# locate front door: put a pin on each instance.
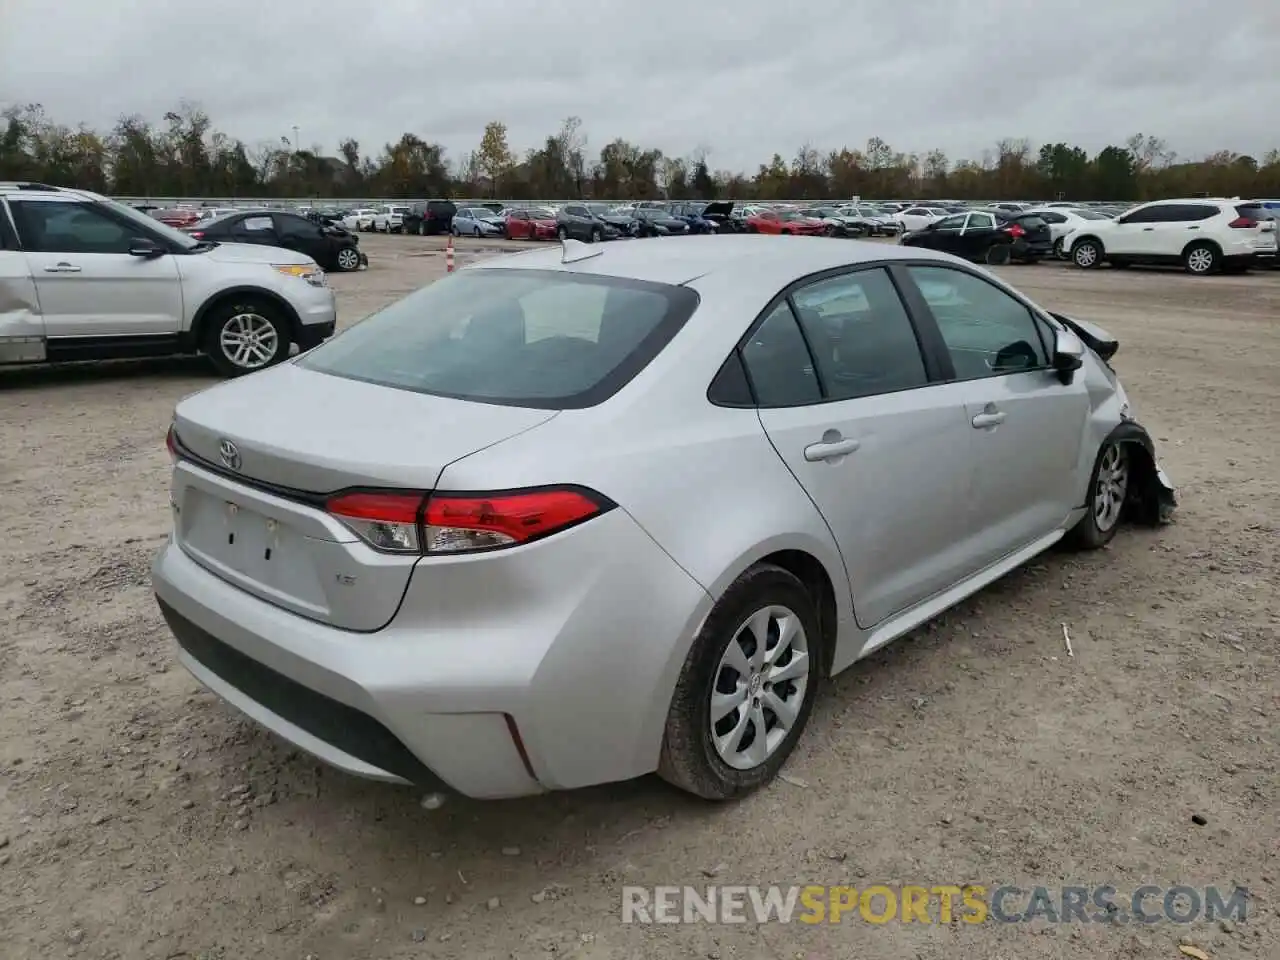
(304, 237)
(88, 283)
(946, 234)
(1027, 426)
(882, 450)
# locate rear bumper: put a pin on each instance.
(574, 642)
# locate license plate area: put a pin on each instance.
(246, 546)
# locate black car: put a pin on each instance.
(690, 211)
(427, 218)
(655, 222)
(719, 212)
(577, 221)
(622, 221)
(331, 246)
(987, 235)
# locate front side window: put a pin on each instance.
(987, 331)
(860, 335)
(981, 221)
(254, 226)
(951, 223)
(544, 339)
(59, 227)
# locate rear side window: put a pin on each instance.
(779, 364)
(550, 340)
(1250, 211)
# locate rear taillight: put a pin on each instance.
(1014, 230)
(459, 523)
(197, 234)
(171, 443)
(1242, 223)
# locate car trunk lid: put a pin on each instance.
(257, 463)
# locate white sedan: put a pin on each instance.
(359, 219)
(917, 218)
(600, 510)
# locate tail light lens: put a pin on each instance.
(385, 521)
(1242, 223)
(197, 234)
(462, 523)
(171, 443)
(1015, 230)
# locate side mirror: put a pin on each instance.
(1068, 355)
(144, 247)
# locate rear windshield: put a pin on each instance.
(1030, 221)
(1255, 212)
(551, 340)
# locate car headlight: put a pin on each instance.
(309, 272)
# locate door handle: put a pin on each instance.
(830, 449)
(1147, 229)
(992, 418)
(62, 268)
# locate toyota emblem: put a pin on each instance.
(229, 454)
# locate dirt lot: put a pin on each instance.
(142, 818)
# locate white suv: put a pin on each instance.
(83, 277)
(1202, 234)
(389, 219)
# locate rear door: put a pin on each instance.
(256, 228)
(1027, 426)
(852, 406)
(88, 283)
(21, 325)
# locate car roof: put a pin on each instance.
(678, 260)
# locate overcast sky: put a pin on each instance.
(741, 78)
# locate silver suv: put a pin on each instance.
(83, 277)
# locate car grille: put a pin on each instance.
(349, 730)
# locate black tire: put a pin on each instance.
(1087, 254)
(1087, 534)
(1202, 258)
(1057, 249)
(689, 759)
(347, 259)
(998, 254)
(222, 315)
(596, 235)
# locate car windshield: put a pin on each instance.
(542, 213)
(599, 209)
(184, 240)
(543, 339)
(1089, 215)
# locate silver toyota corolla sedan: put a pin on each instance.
(591, 512)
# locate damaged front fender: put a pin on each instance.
(1151, 499)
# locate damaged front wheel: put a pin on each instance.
(1108, 491)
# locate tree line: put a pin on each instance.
(186, 156)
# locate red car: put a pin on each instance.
(531, 225)
(786, 222)
(180, 218)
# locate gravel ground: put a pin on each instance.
(142, 818)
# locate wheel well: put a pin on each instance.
(1203, 242)
(1088, 236)
(809, 570)
(240, 293)
(1142, 503)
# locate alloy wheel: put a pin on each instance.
(1200, 260)
(249, 340)
(758, 687)
(348, 259)
(1111, 488)
(1086, 255)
